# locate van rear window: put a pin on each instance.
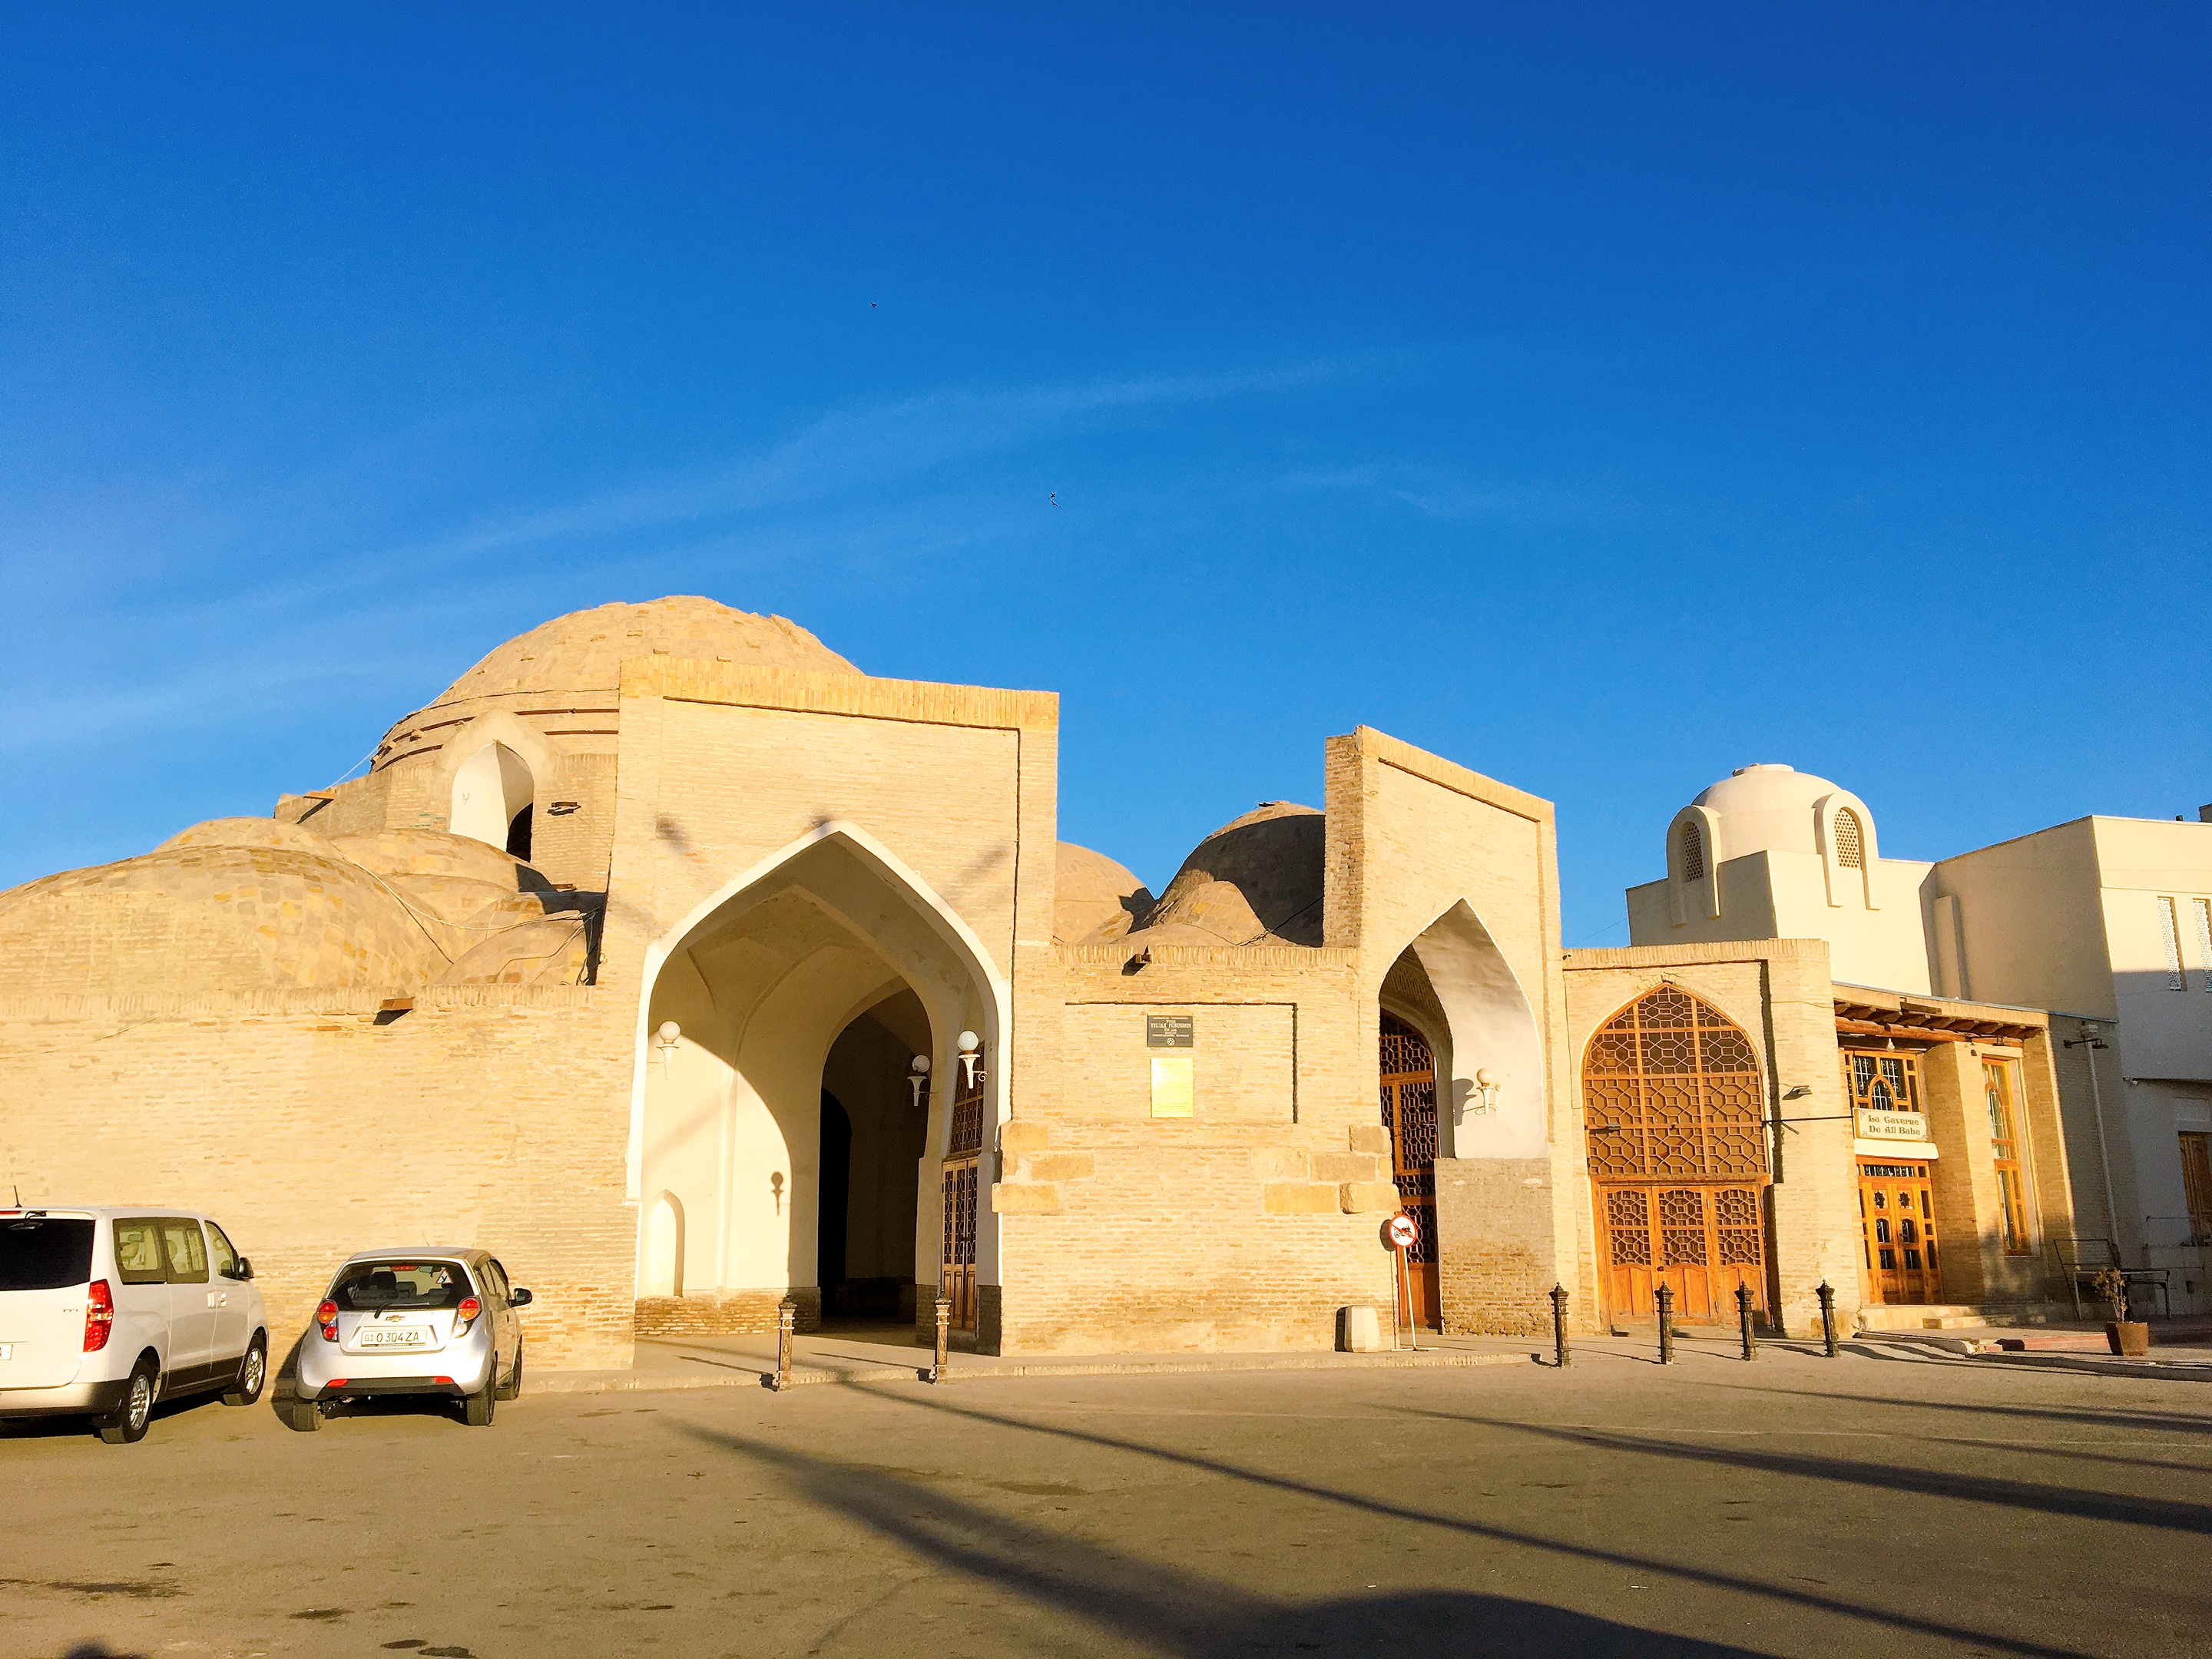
(45, 1253)
(368, 1286)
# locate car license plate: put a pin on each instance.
(391, 1336)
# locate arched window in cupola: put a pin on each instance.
(1693, 852)
(1850, 841)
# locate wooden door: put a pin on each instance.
(1409, 1112)
(962, 1160)
(1704, 1241)
(1897, 1233)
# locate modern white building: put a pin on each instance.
(2106, 922)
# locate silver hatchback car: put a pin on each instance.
(430, 1320)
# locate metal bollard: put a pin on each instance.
(1560, 1354)
(1666, 1324)
(1827, 1295)
(1743, 1319)
(944, 1338)
(784, 1317)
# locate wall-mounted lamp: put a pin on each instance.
(1139, 963)
(775, 1186)
(1487, 1085)
(918, 1078)
(970, 1042)
(668, 1036)
(1797, 1092)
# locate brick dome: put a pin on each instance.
(584, 650)
(1256, 880)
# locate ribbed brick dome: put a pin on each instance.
(584, 650)
(1256, 880)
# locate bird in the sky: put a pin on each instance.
(1054, 498)
(873, 305)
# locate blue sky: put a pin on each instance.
(1603, 398)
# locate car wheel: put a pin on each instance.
(476, 1408)
(300, 1416)
(512, 1388)
(126, 1425)
(252, 1373)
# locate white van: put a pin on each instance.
(104, 1309)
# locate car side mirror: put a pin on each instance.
(517, 1297)
(242, 1270)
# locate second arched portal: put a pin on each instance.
(780, 1108)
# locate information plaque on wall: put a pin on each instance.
(1168, 1030)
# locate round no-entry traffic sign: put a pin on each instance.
(1404, 1232)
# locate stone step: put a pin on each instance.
(1946, 1316)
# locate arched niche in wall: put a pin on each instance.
(1843, 829)
(661, 1272)
(1477, 1020)
(1694, 858)
(493, 797)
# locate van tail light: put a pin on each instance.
(99, 1315)
(327, 1317)
(466, 1314)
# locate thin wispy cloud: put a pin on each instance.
(1442, 493)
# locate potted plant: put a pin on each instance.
(2129, 1338)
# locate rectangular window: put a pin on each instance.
(139, 1252)
(1883, 1082)
(186, 1250)
(2170, 928)
(2203, 909)
(2197, 1182)
(1997, 1090)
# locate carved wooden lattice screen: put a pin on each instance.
(1674, 1108)
(962, 1159)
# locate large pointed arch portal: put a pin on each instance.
(777, 1036)
(1476, 1177)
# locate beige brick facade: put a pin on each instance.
(757, 920)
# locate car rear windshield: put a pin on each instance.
(45, 1253)
(373, 1286)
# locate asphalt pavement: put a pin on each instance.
(1884, 1502)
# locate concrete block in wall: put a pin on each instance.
(1024, 1198)
(1368, 1197)
(1024, 1136)
(1343, 1166)
(1300, 1197)
(1371, 1138)
(1058, 1166)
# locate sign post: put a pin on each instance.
(1402, 1231)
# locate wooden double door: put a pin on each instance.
(1703, 1240)
(961, 1187)
(1409, 1112)
(1897, 1233)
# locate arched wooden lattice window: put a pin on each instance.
(1851, 843)
(1693, 852)
(1671, 1089)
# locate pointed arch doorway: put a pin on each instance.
(777, 1041)
(1673, 1112)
